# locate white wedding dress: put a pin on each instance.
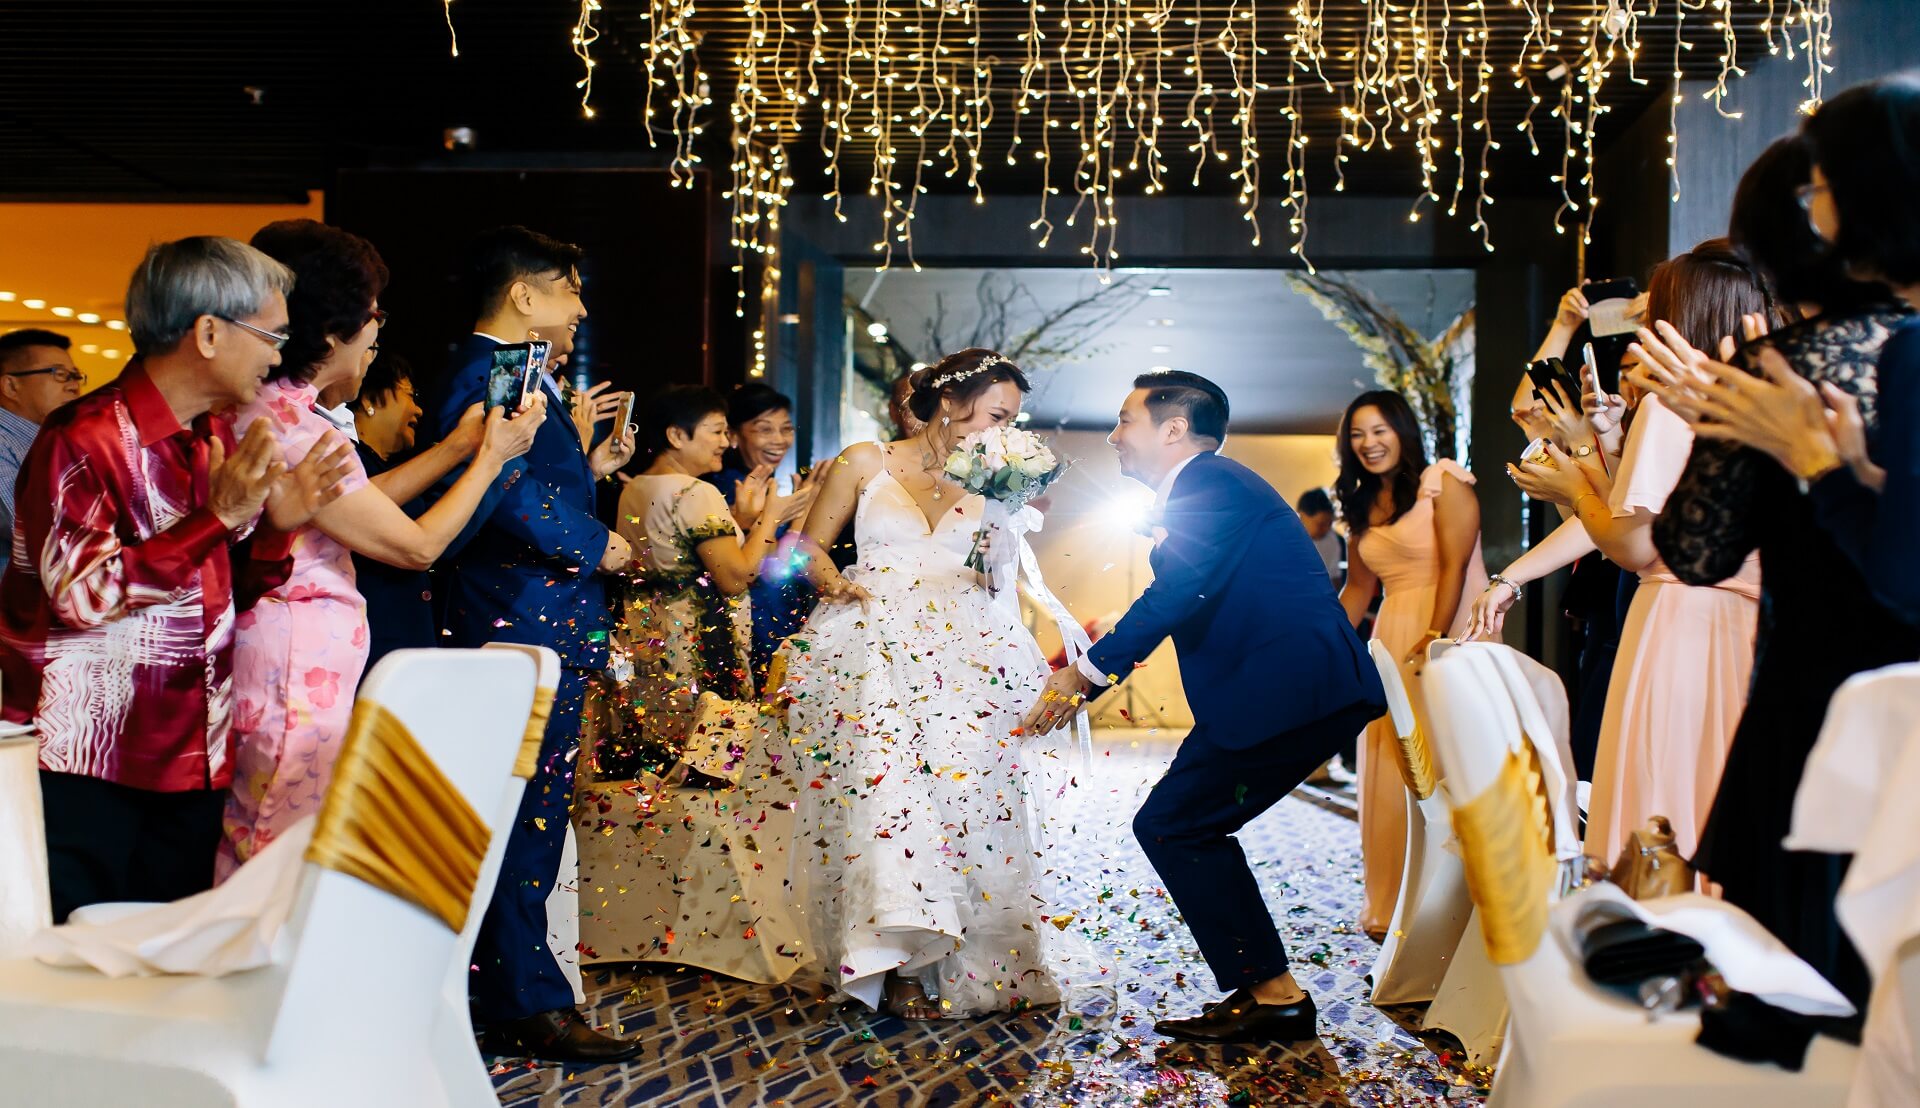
(920, 831)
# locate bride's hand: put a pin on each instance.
(838, 590)
(1059, 702)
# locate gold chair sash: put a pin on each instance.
(1416, 762)
(528, 759)
(394, 821)
(1509, 866)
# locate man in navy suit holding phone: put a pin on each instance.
(534, 573)
(1275, 675)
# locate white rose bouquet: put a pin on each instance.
(1004, 464)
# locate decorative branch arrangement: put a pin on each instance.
(1035, 336)
(1429, 373)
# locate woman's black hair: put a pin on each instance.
(337, 275)
(683, 407)
(1866, 142)
(957, 377)
(384, 377)
(750, 401)
(1770, 230)
(1356, 488)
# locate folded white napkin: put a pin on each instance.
(1745, 953)
(226, 929)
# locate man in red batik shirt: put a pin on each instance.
(134, 545)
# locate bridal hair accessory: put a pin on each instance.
(985, 364)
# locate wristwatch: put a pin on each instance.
(1584, 450)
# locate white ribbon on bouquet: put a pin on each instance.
(1009, 556)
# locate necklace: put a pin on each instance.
(929, 463)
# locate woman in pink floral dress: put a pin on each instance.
(299, 652)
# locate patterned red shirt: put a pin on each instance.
(117, 604)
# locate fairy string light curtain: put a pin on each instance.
(1101, 97)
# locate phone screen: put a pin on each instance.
(626, 417)
(1544, 373)
(507, 380)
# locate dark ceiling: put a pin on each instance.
(267, 98)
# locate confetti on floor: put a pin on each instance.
(712, 1042)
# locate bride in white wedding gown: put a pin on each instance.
(919, 836)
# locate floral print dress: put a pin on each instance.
(297, 659)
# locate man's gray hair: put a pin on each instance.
(178, 282)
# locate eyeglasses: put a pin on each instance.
(59, 373)
(272, 338)
(1805, 194)
(377, 316)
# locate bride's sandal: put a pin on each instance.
(909, 1000)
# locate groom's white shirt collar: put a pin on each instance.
(1165, 489)
(1160, 494)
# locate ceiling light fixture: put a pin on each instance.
(36, 304)
(1159, 290)
(63, 313)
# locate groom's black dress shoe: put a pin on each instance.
(1242, 1019)
(561, 1035)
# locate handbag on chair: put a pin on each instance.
(1650, 865)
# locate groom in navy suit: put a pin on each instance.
(533, 573)
(1274, 673)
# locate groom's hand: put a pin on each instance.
(1059, 702)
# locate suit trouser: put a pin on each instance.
(108, 842)
(514, 972)
(1187, 826)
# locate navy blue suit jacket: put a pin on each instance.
(530, 572)
(1264, 645)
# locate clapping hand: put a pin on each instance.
(298, 493)
(750, 495)
(238, 484)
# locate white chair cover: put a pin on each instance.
(1431, 912)
(24, 904)
(1571, 1043)
(296, 1032)
(1856, 797)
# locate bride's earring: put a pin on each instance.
(944, 420)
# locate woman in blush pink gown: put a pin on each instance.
(1416, 536)
(1680, 678)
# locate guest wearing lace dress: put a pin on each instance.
(1416, 538)
(1686, 652)
(1735, 497)
(687, 618)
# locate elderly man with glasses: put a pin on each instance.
(37, 375)
(143, 528)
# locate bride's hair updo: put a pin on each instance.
(961, 377)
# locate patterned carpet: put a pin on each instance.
(717, 1043)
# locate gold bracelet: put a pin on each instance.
(1583, 496)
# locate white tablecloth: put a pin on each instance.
(24, 908)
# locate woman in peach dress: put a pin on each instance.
(1415, 535)
(1680, 677)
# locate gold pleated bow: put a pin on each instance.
(394, 821)
(1506, 849)
(1416, 763)
(528, 760)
